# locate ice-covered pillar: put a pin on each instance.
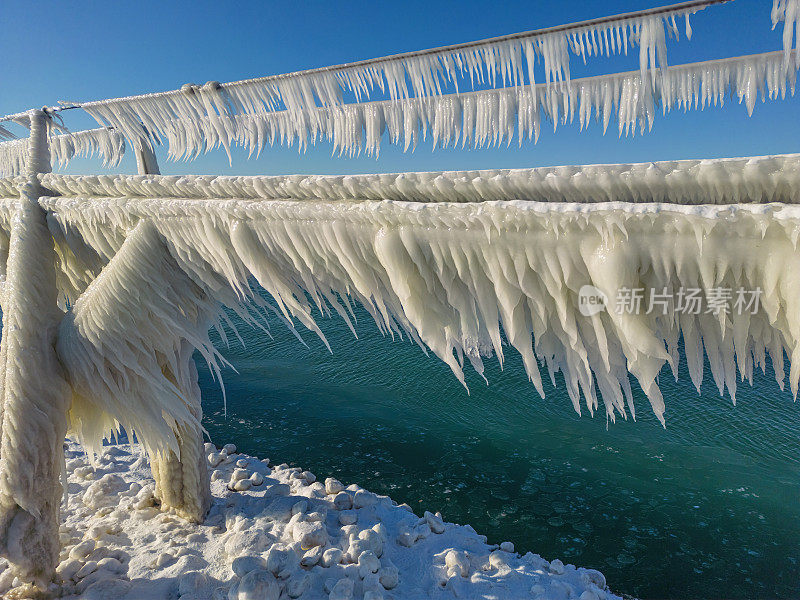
(182, 482)
(146, 163)
(34, 397)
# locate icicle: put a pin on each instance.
(63, 148)
(194, 118)
(788, 11)
(486, 118)
(401, 261)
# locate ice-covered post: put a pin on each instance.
(146, 163)
(34, 397)
(182, 482)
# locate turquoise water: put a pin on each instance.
(706, 508)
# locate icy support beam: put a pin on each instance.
(182, 482)
(34, 398)
(146, 163)
(38, 147)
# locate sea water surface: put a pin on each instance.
(706, 508)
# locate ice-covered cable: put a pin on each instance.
(5, 134)
(510, 60)
(493, 117)
(102, 142)
(458, 277)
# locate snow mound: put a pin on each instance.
(276, 532)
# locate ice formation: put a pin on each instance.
(445, 258)
(510, 60)
(787, 11)
(452, 276)
(5, 134)
(758, 179)
(34, 397)
(465, 264)
(93, 142)
(490, 117)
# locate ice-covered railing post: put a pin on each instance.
(182, 480)
(34, 398)
(146, 163)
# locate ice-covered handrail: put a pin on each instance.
(106, 143)
(452, 276)
(508, 59)
(758, 179)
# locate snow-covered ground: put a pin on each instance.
(276, 532)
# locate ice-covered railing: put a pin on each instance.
(758, 179)
(522, 261)
(193, 120)
(497, 61)
(107, 144)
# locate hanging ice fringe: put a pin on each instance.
(787, 11)
(12, 157)
(509, 60)
(103, 142)
(493, 117)
(451, 276)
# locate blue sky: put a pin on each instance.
(91, 50)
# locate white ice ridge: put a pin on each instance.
(757, 179)
(510, 60)
(460, 279)
(103, 142)
(491, 117)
